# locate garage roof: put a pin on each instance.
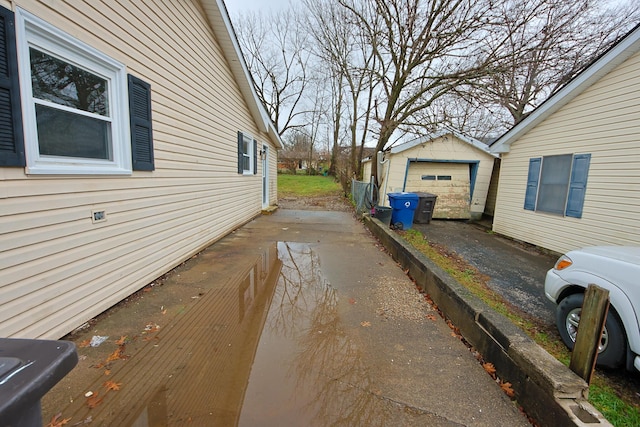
(471, 141)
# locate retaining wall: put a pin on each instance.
(548, 391)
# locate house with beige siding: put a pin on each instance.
(448, 164)
(130, 139)
(570, 172)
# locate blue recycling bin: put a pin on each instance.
(403, 206)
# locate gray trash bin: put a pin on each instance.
(383, 213)
(28, 370)
(424, 211)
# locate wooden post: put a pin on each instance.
(592, 318)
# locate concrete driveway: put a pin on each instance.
(517, 272)
(296, 318)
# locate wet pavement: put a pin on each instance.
(297, 318)
(516, 271)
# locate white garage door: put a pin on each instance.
(449, 181)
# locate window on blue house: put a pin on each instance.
(557, 184)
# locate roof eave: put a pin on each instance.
(471, 141)
(222, 27)
(619, 53)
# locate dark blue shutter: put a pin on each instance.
(532, 183)
(141, 124)
(240, 153)
(255, 157)
(578, 185)
(11, 135)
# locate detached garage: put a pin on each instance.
(454, 167)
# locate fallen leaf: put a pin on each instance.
(122, 341)
(111, 385)
(491, 370)
(57, 422)
(365, 324)
(84, 343)
(352, 301)
(107, 372)
(94, 400)
(506, 387)
(164, 311)
(431, 317)
(117, 354)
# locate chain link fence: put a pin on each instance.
(363, 196)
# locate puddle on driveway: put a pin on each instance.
(306, 370)
(267, 348)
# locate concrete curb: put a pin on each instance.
(547, 390)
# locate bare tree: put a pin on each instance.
(350, 57)
(276, 49)
(544, 44)
(409, 66)
(423, 49)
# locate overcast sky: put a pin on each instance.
(236, 6)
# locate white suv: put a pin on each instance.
(616, 268)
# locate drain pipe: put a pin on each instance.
(386, 178)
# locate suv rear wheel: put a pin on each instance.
(611, 351)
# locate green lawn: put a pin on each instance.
(307, 186)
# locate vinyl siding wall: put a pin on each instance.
(444, 148)
(58, 269)
(604, 121)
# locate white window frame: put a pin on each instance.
(34, 32)
(249, 154)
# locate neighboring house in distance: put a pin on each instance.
(570, 172)
(454, 167)
(130, 139)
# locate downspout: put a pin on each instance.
(386, 178)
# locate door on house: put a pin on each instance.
(264, 155)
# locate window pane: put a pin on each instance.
(57, 81)
(70, 135)
(554, 183)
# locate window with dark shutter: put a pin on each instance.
(75, 103)
(141, 124)
(557, 184)
(11, 135)
(247, 147)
